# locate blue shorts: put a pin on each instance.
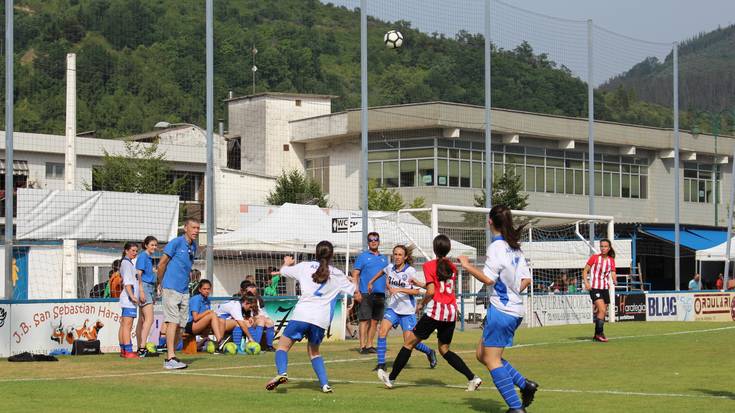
(406, 321)
(129, 312)
(297, 330)
(499, 328)
(150, 293)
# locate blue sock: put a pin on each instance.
(517, 377)
(281, 361)
(161, 341)
(258, 334)
(321, 372)
(237, 335)
(122, 347)
(270, 333)
(423, 348)
(504, 384)
(128, 348)
(382, 348)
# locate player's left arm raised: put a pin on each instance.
(474, 271)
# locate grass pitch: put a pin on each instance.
(646, 367)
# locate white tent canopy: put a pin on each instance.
(89, 215)
(717, 253)
(571, 253)
(298, 228)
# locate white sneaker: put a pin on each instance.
(385, 378)
(327, 389)
(474, 384)
(174, 364)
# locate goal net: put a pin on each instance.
(556, 246)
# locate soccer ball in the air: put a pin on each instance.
(393, 39)
(252, 348)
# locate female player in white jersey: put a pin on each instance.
(601, 268)
(506, 274)
(401, 305)
(320, 284)
(441, 315)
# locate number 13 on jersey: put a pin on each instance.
(446, 287)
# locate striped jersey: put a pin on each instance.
(600, 270)
(443, 305)
(401, 303)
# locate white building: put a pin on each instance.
(434, 150)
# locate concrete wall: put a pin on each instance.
(235, 188)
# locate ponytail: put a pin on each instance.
(324, 252)
(442, 246)
(502, 221)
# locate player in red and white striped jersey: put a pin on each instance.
(441, 315)
(601, 270)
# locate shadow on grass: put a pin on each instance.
(718, 393)
(430, 382)
(584, 338)
(484, 404)
(187, 360)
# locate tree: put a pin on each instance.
(383, 199)
(507, 190)
(140, 169)
(296, 188)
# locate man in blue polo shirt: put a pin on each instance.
(372, 303)
(173, 277)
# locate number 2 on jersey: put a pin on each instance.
(318, 292)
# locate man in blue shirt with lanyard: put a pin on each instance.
(372, 303)
(173, 279)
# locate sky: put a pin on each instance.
(653, 20)
(625, 31)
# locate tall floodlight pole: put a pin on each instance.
(488, 113)
(363, 122)
(8, 148)
(209, 187)
(590, 132)
(729, 224)
(677, 180)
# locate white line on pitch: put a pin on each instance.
(412, 384)
(146, 373)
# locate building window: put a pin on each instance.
(699, 181)
(193, 188)
(318, 170)
(461, 164)
(54, 170)
(233, 153)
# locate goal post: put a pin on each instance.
(552, 243)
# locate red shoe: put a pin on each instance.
(122, 353)
(601, 338)
(131, 355)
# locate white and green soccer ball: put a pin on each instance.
(393, 39)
